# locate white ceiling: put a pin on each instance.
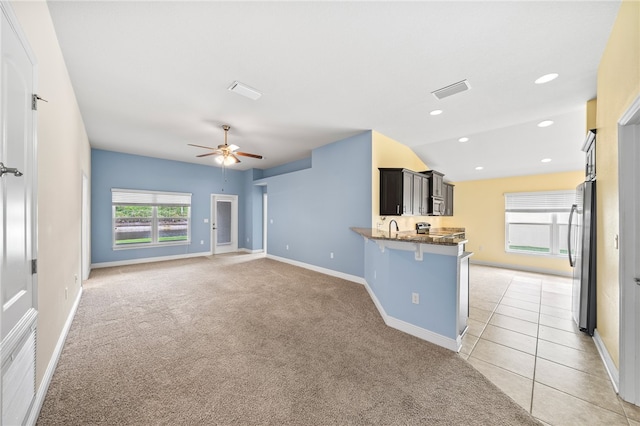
(152, 76)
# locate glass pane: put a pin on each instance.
(562, 242)
(133, 224)
(173, 223)
(223, 227)
(530, 238)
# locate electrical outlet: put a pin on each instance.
(75, 278)
(479, 248)
(271, 221)
(247, 239)
(66, 293)
(331, 255)
(374, 274)
(287, 246)
(201, 242)
(415, 298)
(206, 220)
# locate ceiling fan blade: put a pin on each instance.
(200, 146)
(246, 154)
(236, 158)
(206, 155)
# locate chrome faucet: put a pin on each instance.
(397, 229)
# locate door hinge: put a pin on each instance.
(34, 266)
(34, 101)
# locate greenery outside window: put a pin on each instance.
(538, 222)
(150, 218)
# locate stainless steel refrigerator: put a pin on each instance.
(582, 256)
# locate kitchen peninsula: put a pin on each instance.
(420, 282)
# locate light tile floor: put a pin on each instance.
(522, 337)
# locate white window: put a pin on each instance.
(537, 222)
(150, 218)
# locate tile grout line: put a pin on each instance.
(535, 357)
(489, 319)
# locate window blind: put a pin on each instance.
(132, 197)
(538, 202)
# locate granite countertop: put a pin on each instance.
(439, 236)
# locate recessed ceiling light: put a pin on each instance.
(546, 78)
(465, 139)
(479, 168)
(545, 123)
(436, 112)
(546, 160)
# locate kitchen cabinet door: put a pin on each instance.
(448, 199)
(396, 192)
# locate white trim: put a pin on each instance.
(629, 293)
(330, 272)
(521, 268)
(630, 113)
(148, 260)
(53, 362)
(612, 371)
(246, 250)
(414, 330)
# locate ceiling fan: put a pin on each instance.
(226, 154)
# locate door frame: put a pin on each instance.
(629, 250)
(85, 230)
(264, 223)
(234, 222)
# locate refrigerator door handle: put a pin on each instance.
(574, 208)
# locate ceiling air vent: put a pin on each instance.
(244, 90)
(452, 89)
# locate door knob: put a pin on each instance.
(4, 170)
(637, 280)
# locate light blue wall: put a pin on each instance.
(393, 275)
(293, 166)
(116, 170)
(311, 210)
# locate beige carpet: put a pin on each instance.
(245, 340)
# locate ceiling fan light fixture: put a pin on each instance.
(244, 90)
(226, 160)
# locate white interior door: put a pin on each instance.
(17, 154)
(224, 223)
(629, 196)
(18, 222)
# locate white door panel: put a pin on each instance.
(224, 223)
(18, 315)
(16, 120)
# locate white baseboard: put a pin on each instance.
(606, 359)
(319, 269)
(149, 259)
(245, 250)
(419, 332)
(414, 330)
(520, 268)
(53, 362)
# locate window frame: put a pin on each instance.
(153, 199)
(552, 202)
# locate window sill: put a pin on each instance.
(533, 253)
(150, 245)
